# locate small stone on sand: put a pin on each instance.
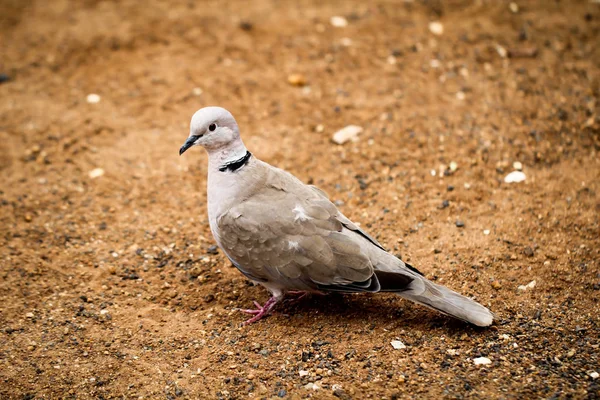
(93, 98)
(515, 177)
(436, 28)
(482, 361)
(398, 345)
(297, 80)
(348, 133)
(96, 173)
(338, 22)
(530, 285)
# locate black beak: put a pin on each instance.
(188, 143)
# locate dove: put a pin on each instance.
(290, 238)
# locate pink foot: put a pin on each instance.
(261, 311)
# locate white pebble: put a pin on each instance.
(348, 133)
(398, 345)
(518, 166)
(338, 22)
(93, 98)
(29, 315)
(514, 7)
(501, 51)
(96, 173)
(515, 177)
(104, 312)
(453, 166)
(486, 231)
(436, 28)
(391, 60)
(302, 373)
(313, 386)
(460, 95)
(530, 285)
(482, 361)
(434, 63)
(452, 352)
(593, 374)
(197, 91)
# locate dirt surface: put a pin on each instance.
(109, 286)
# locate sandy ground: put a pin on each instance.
(109, 286)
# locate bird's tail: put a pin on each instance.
(448, 302)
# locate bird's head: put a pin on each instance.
(212, 128)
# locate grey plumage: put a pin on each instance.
(287, 235)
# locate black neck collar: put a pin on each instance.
(236, 164)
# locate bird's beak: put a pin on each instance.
(188, 143)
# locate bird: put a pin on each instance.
(290, 238)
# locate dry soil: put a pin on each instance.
(110, 286)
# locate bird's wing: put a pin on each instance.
(286, 231)
(346, 222)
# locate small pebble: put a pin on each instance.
(282, 393)
(246, 26)
(338, 22)
(28, 217)
(212, 249)
(436, 28)
(518, 166)
(302, 373)
(528, 251)
(339, 392)
(486, 232)
(460, 224)
(29, 315)
(197, 91)
(350, 132)
(460, 95)
(515, 177)
(297, 80)
(496, 285)
(502, 52)
(4, 78)
(453, 166)
(513, 7)
(398, 345)
(530, 285)
(93, 98)
(96, 173)
(312, 386)
(593, 374)
(482, 361)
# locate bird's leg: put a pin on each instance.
(300, 293)
(261, 311)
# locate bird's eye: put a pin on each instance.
(212, 127)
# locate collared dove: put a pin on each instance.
(289, 237)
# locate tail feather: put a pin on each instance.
(448, 302)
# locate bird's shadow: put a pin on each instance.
(364, 311)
